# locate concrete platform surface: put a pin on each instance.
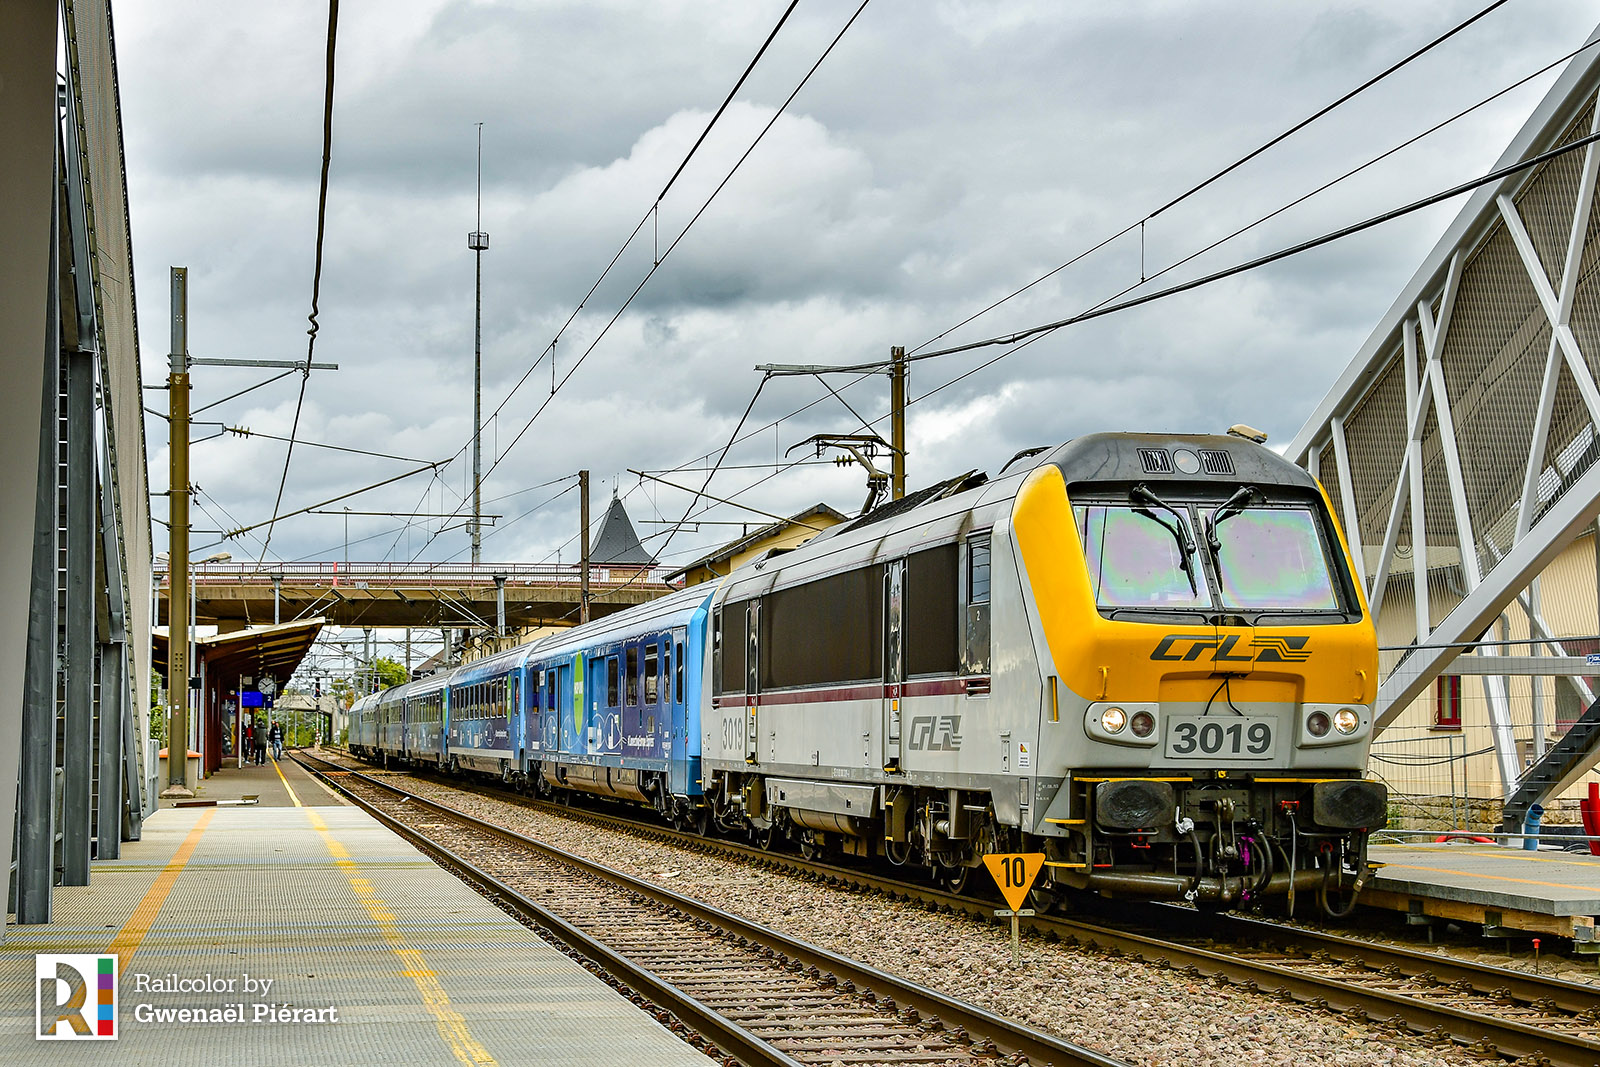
(257, 913)
(1546, 891)
(275, 783)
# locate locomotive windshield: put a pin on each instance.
(1138, 559)
(1273, 558)
(1254, 557)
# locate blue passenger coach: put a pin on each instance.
(484, 720)
(425, 720)
(363, 738)
(615, 704)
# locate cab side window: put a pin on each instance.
(975, 596)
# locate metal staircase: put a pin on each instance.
(1564, 762)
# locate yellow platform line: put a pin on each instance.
(133, 932)
(1495, 877)
(451, 1025)
(286, 785)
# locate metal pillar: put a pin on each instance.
(36, 811)
(583, 521)
(113, 708)
(500, 604)
(82, 658)
(178, 784)
(897, 422)
(277, 592)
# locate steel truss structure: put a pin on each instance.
(81, 775)
(1459, 446)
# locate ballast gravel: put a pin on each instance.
(1119, 1007)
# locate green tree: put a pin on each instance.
(389, 673)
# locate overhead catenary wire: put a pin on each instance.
(572, 317)
(649, 214)
(1251, 225)
(316, 275)
(617, 315)
(1499, 174)
(1230, 168)
(242, 431)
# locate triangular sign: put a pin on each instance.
(1014, 873)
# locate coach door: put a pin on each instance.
(894, 581)
(752, 683)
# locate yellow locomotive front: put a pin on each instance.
(1209, 669)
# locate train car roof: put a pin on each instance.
(491, 666)
(672, 609)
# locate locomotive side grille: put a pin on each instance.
(1215, 461)
(1155, 460)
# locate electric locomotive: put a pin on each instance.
(1144, 655)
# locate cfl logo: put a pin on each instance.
(1188, 647)
(930, 733)
(65, 988)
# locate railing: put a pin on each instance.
(415, 575)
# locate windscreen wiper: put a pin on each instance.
(1241, 499)
(1178, 529)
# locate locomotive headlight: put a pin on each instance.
(1143, 723)
(1317, 724)
(1346, 721)
(1112, 720)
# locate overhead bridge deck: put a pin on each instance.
(417, 594)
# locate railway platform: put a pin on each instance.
(1509, 891)
(296, 930)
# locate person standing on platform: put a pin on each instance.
(247, 747)
(276, 736)
(260, 743)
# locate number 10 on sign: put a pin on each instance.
(1014, 873)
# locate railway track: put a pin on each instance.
(1488, 1010)
(761, 998)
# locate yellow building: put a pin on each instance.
(784, 534)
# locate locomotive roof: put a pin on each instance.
(952, 508)
(1126, 457)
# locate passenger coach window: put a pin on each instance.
(633, 676)
(847, 647)
(932, 612)
(677, 674)
(611, 681)
(652, 674)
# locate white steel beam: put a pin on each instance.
(1352, 517)
(1554, 114)
(1556, 315)
(1568, 517)
(1541, 438)
(1433, 339)
(1417, 405)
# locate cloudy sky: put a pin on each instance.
(945, 153)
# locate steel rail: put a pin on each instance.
(727, 1035)
(1009, 1037)
(1478, 1032)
